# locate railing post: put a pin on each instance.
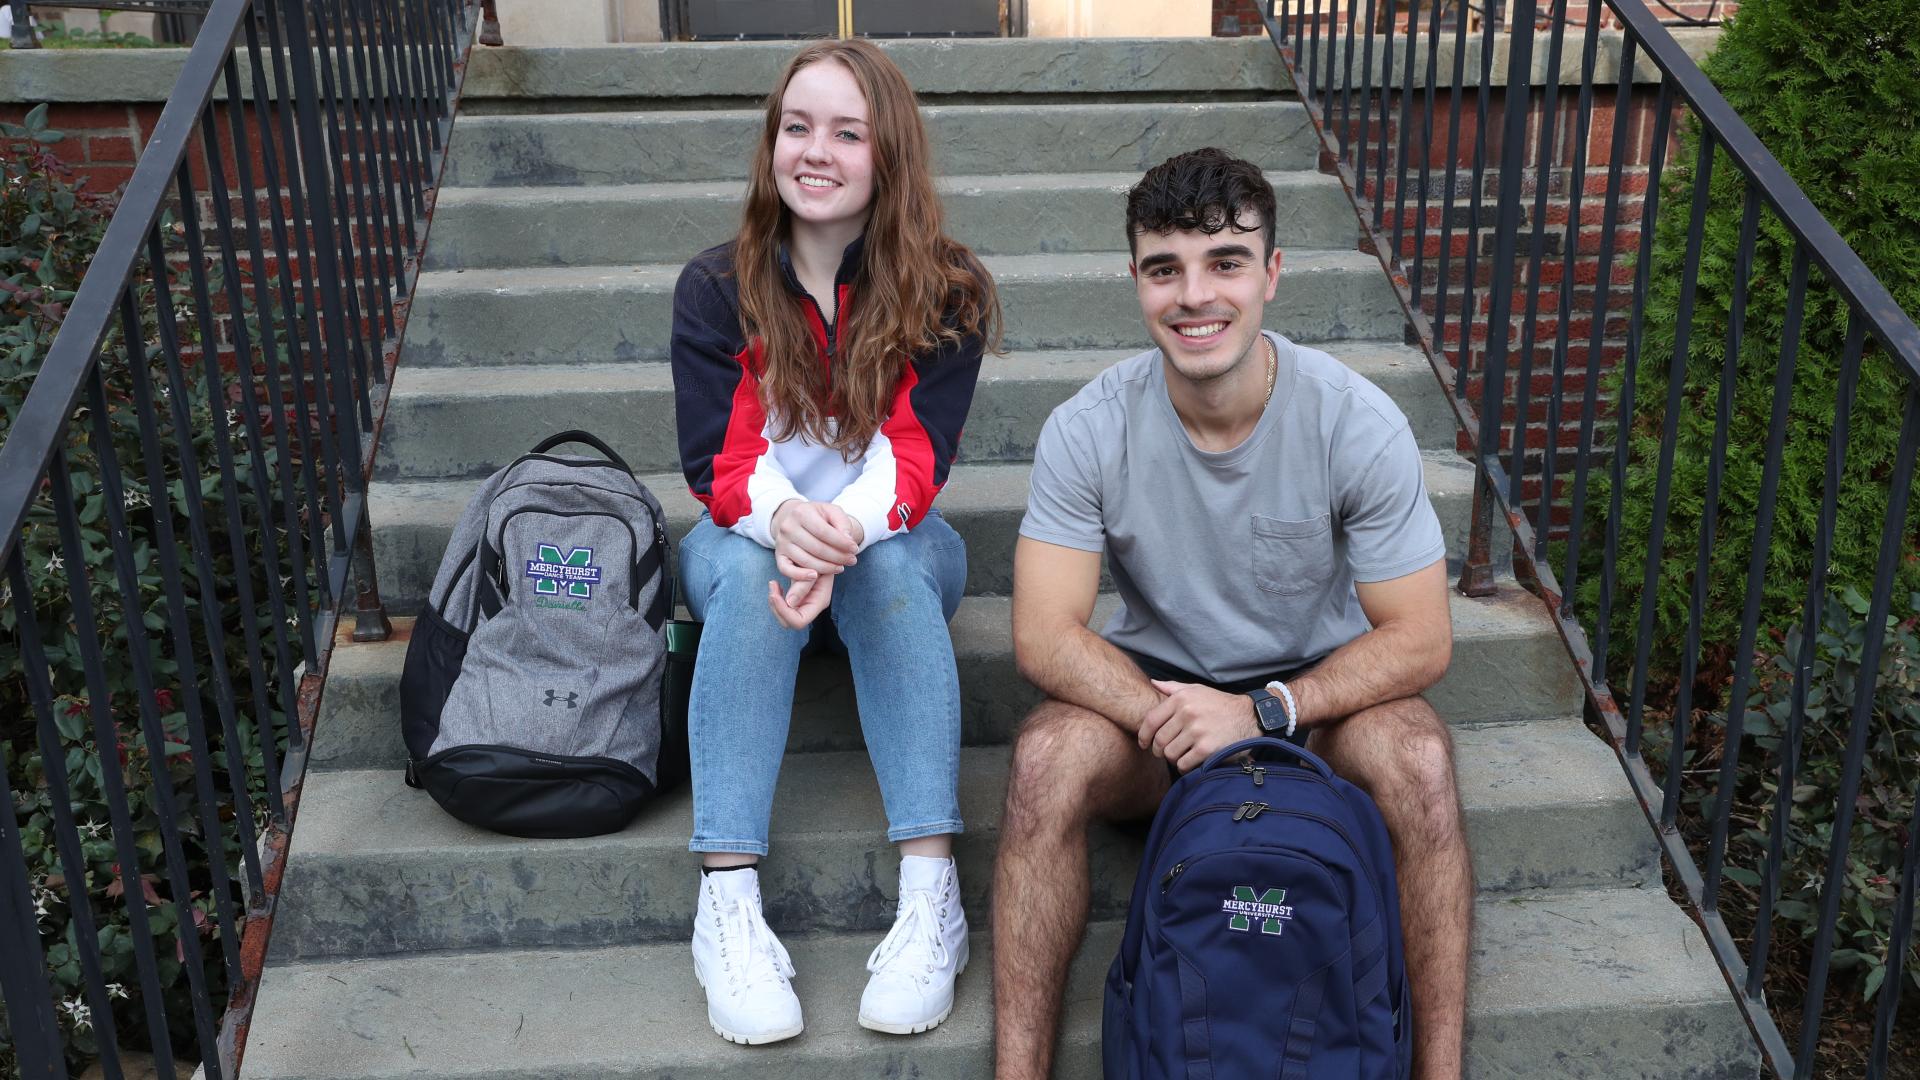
(1476, 577)
(370, 622)
(23, 35)
(489, 24)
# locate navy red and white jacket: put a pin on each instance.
(742, 475)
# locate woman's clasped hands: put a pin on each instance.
(812, 541)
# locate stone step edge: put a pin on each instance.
(1579, 955)
(972, 488)
(343, 839)
(983, 624)
(1376, 360)
(1006, 269)
(469, 199)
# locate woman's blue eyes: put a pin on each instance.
(801, 129)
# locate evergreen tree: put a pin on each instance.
(1834, 92)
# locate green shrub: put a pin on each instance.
(50, 227)
(1883, 808)
(1830, 90)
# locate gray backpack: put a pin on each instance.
(531, 697)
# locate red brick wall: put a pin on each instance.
(102, 143)
(1582, 368)
(103, 140)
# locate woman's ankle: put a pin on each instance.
(929, 847)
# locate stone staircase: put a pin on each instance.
(408, 944)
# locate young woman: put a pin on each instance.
(823, 363)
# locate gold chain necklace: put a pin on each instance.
(1273, 366)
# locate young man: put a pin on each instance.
(1265, 522)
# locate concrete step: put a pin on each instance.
(378, 868)
(1598, 983)
(459, 422)
(995, 215)
(1085, 300)
(984, 503)
(1508, 664)
(662, 76)
(970, 140)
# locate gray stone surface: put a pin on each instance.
(377, 868)
(108, 75)
(933, 67)
(612, 224)
(967, 140)
(1573, 985)
(1198, 67)
(455, 422)
(1508, 664)
(984, 503)
(605, 314)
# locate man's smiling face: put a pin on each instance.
(1202, 294)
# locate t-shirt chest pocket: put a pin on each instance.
(1292, 557)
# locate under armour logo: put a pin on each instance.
(572, 699)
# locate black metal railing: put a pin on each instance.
(1539, 328)
(183, 515)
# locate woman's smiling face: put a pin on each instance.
(823, 153)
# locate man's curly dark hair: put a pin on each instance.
(1205, 190)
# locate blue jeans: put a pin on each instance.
(891, 610)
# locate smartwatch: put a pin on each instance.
(1272, 714)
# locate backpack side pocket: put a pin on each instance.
(434, 657)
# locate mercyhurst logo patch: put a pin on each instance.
(575, 570)
(1269, 907)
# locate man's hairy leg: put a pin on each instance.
(1071, 767)
(1402, 754)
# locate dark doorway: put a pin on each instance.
(747, 20)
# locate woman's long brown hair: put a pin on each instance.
(916, 287)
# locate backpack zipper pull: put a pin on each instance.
(1166, 881)
(1255, 809)
(1240, 813)
(1258, 772)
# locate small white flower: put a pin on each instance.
(78, 1012)
(233, 417)
(55, 562)
(135, 499)
(93, 829)
(116, 992)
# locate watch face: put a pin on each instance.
(1272, 712)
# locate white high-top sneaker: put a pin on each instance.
(915, 966)
(739, 962)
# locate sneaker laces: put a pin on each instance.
(915, 935)
(742, 926)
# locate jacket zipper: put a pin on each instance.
(829, 327)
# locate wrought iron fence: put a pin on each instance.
(183, 512)
(1479, 193)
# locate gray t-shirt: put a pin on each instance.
(1235, 564)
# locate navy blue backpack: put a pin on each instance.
(1264, 935)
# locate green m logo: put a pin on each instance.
(1270, 907)
(574, 569)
